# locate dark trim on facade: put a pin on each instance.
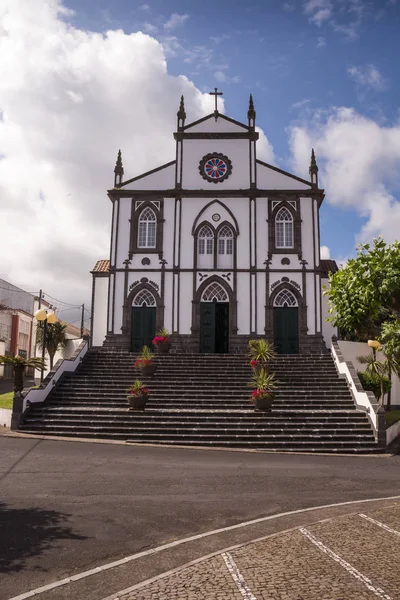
(219, 116)
(302, 307)
(315, 266)
(112, 231)
(159, 227)
(113, 302)
(189, 270)
(92, 319)
(146, 174)
(216, 201)
(232, 305)
(116, 237)
(250, 135)
(213, 193)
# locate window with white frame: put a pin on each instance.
(205, 247)
(144, 298)
(284, 228)
(147, 229)
(225, 247)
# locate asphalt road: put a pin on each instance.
(67, 506)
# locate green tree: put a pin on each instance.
(55, 339)
(390, 338)
(20, 364)
(366, 292)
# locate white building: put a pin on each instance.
(216, 245)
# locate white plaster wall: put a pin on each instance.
(186, 286)
(160, 180)
(119, 301)
(392, 432)
(296, 277)
(276, 262)
(5, 417)
(261, 231)
(99, 310)
(215, 126)
(153, 276)
(318, 306)
(243, 307)
(123, 231)
(260, 303)
(310, 304)
(316, 233)
(236, 150)
(328, 330)
(168, 239)
(269, 179)
(307, 231)
(168, 302)
(114, 231)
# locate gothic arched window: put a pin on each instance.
(206, 240)
(284, 228)
(225, 247)
(215, 292)
(147, 229)
(285, 298)
(144, 298)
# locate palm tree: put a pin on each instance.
(55, 339)
(20, 364)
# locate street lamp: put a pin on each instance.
(44, 316)
(374, 344)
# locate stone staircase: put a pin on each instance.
(203, 400)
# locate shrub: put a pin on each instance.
(372, 383)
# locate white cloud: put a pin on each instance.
(145, 7)
(175, 20)
(224, 78)
(69, 99)
(288, 7)
(325, 253)
(149, 28)
(368, 76)
(300, 104)
(318, 10)
(359, 162)
(321, 41)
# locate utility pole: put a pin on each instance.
(82, 319)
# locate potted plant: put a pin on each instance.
(261, 352)
(265, 385)
(145, 363)
(162, 341)
(138, 394)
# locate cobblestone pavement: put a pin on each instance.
(355, 557)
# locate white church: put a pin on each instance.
(215, 245)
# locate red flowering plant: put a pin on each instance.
(162, 336)
(254, 363)
(265, 384)
(138, 389)
(145, 358)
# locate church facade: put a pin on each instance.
(216, 245)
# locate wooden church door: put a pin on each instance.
(214, 327)
(286, 323)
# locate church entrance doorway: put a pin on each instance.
(286, 323)
(214, 319)
(214, 327)
(143, 320)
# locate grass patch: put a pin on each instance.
(6, 400)
(392, 416)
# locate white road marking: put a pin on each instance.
(192, 538)
(349, 568)
(238, 577)
(386, 527)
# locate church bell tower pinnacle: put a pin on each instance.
(251, 113)
(181, 114)
(118, 170)
(313, 170)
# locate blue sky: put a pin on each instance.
(79, 81)
(295, 57)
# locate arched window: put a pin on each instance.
(206, 240)
(284, 228)
(285, 298)
(225, 248)
(144, 298)
(147, 229)
(215, 292)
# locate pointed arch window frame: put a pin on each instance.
(137, 208)
(215, 243)
(293, 205)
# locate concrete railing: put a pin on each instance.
(67, 365)
(364, 400)
(392, 432)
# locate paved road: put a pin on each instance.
(68, 506)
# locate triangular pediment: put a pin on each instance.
(272, 178)
(161, 178)
(209, 124)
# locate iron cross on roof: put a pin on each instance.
(216, 93)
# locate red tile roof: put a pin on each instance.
(328, 266)
(102, 266)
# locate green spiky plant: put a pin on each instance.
(55, 338)
(261, 352)
(20, 364)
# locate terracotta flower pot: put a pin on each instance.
(137, 402)
(148, 370)
(264, 403)
(163, 347)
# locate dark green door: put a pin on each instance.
(214, 327)
(286, 330)
(143, 327)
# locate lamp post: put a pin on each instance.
(374, 344)
(44, 316)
